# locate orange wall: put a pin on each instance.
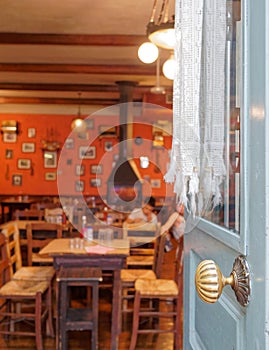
(57, 127)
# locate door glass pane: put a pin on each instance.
(228, 213)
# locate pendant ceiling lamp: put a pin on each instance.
(78, 123)
(161, 34)
(160, 29)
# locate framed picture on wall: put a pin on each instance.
(79, 185)
(95, 182)
(24, 163)
(89, 123)
(9, 137)
(31, 132)
(80, 169)
(87, 152)
(108, 146)
(69, 143)
(17, 180)
(28, 147)
(50, 159)
(50, 176)
(9, 153)
(155, 183)
(96, 169)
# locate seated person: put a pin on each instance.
(144, 214)
(177, 230)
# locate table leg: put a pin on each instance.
(57, 313)
(115, 324)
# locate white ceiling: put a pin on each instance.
(41, 56)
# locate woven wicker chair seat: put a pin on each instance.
(131, 275)
(35, 273)
(156, 287)
(140, 260)
(23, 288)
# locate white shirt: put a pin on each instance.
(137, 213)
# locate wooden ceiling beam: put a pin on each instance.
(78, 68)
(68, 87)
(60, 101)
(72, 39)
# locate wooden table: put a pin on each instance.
(113, 260)
(12, 204)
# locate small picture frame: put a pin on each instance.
(80, 169)
(28, 147)
(24, 163)
(96, 169)
(17, 180)
(79, 185)
(50, 176)
(69, 143)
(87, 152)
(9, 137)
(155, 183)
(108, 146)
(9, 153)
(50, 159)
(31, 132)
(95, 182)
(89, 124)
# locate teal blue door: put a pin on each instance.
(240, 225)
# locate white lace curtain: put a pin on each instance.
(197, 167)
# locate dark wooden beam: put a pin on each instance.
(60, 101)
(68, 87)
(78, 68)
(72, 39)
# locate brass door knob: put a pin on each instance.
(209, 281)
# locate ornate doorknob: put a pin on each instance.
(210, 281)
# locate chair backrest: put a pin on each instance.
(169, 223)
(12, 234)
(29, 214)
(139, 233)
(159, 254)
(39, 235)
(179, 261)
(4, 261)
(160, 244)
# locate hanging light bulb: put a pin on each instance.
(169, 68)
(148, 52)
(78, 123)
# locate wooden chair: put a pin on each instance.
(34, 299)
(17, 271)
(29, 214)
(129, 276)
(38, 236)
(145, 257)
(155, 292)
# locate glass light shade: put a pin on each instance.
(164, 38)
(77, 123)
(169, 68)
(148, 52)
